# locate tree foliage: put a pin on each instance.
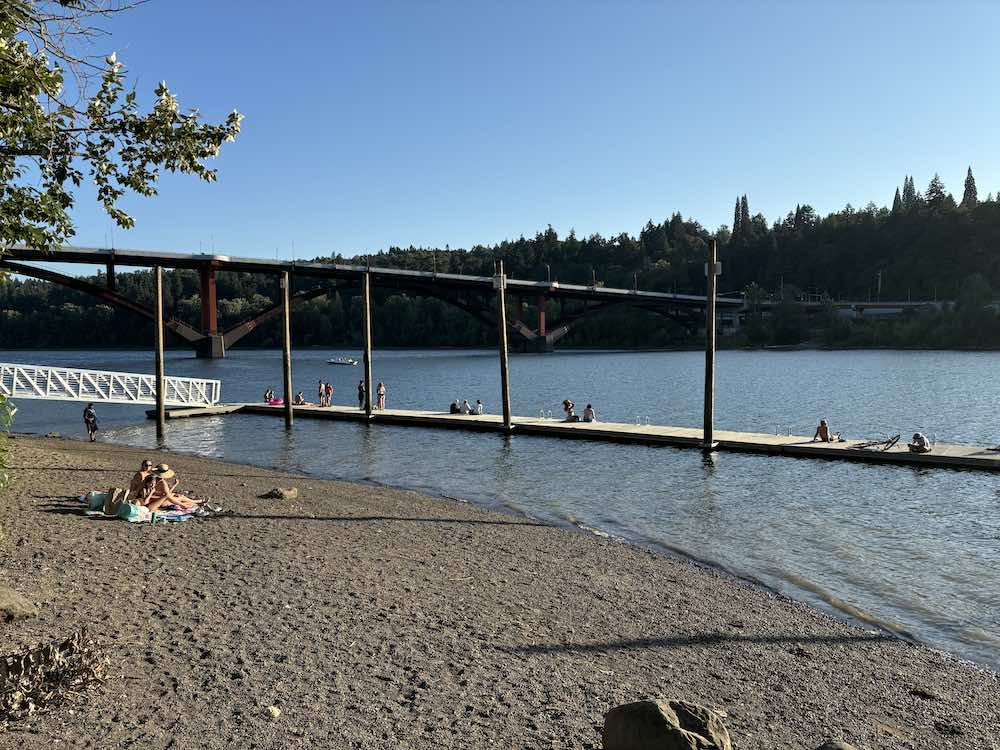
(65, 117)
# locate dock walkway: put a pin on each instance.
(953, 456)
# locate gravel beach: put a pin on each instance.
(381, 618)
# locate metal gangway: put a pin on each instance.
(100, 386)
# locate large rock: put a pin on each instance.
(836, 745)
(662, 724)
(13, 606)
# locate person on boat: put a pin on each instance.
(919, 444)
(380, 393)
(824, 435)
(480, 409)
(466, 408)
(589, 415)
(455, 407)
(90, 422)
(135, 487)
(361, 394)
(328, 393)
(157, 492)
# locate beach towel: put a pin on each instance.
(135, 513)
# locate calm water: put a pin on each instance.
(916, 550)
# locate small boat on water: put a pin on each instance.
(348, 361)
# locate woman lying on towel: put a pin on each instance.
(156, 491)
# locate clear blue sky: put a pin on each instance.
(373, 124)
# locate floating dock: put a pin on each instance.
(951, 456)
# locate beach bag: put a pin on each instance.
(95, 500)
(133, 513)
(115, 498)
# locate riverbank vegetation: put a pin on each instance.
(924, 247)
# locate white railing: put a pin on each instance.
(99, 386)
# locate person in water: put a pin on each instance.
(90, 421)
(919, 444)
(824, 435)
(589, 415)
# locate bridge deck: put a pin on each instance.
(954, 456)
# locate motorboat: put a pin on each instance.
(347, 361)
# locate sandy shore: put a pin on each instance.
(378, 618)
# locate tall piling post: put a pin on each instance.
(711, 273)
(161, 410)
(366, 301)
(286, 345)
(500, 283)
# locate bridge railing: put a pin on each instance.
(100, 386)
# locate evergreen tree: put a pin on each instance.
(909, 193)
(897, 203)
(936, 194)
(736, 217)
(744, 215)
(969, 198)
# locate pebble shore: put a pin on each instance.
(355, 616)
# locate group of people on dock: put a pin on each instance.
(569, 408)
(324, 394)
(919, 443)
(380, 390)
(464, 407)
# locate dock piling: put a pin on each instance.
(366, 299)
(500, 283)
(158, 347)
(711, 272)
(286, 345)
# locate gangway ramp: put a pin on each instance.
(101, 386)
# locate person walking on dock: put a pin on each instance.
(380, 392)
(90, 421)
(361, 394)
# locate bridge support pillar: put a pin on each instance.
(111, 279)
(541, 316)
(212, 346)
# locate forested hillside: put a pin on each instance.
(926, 246)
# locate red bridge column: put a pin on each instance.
(213, 346)
(541, 315)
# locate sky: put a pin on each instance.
(373, 124)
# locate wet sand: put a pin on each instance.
(380, 618)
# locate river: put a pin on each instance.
(914, 550)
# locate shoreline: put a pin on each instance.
(538, 629)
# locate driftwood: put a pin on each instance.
(39, 676)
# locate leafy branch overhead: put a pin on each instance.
(65, 117)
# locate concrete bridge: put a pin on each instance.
(473, 294)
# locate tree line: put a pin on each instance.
(925, 246)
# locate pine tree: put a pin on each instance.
(970, 199)
(744, 215)
(897, 203)
(909, 193)
(736, 217)
(989, 198)
(936, 195)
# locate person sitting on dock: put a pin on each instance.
(268, 395)
(455, 407)
(466, 407)
(480, 409)
(589, 415)
(824, 435)
(300, 399)
(919, 444)
(568, 407)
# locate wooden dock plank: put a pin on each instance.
(953, 456)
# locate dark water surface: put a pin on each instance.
(916, 550)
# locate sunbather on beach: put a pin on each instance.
(157, 492)
(919, 444)
(135, 487)
(824, 435)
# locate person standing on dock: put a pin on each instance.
(321, 397)
(361, 394)
(380, 392)
(328, 394)
(90, 421)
